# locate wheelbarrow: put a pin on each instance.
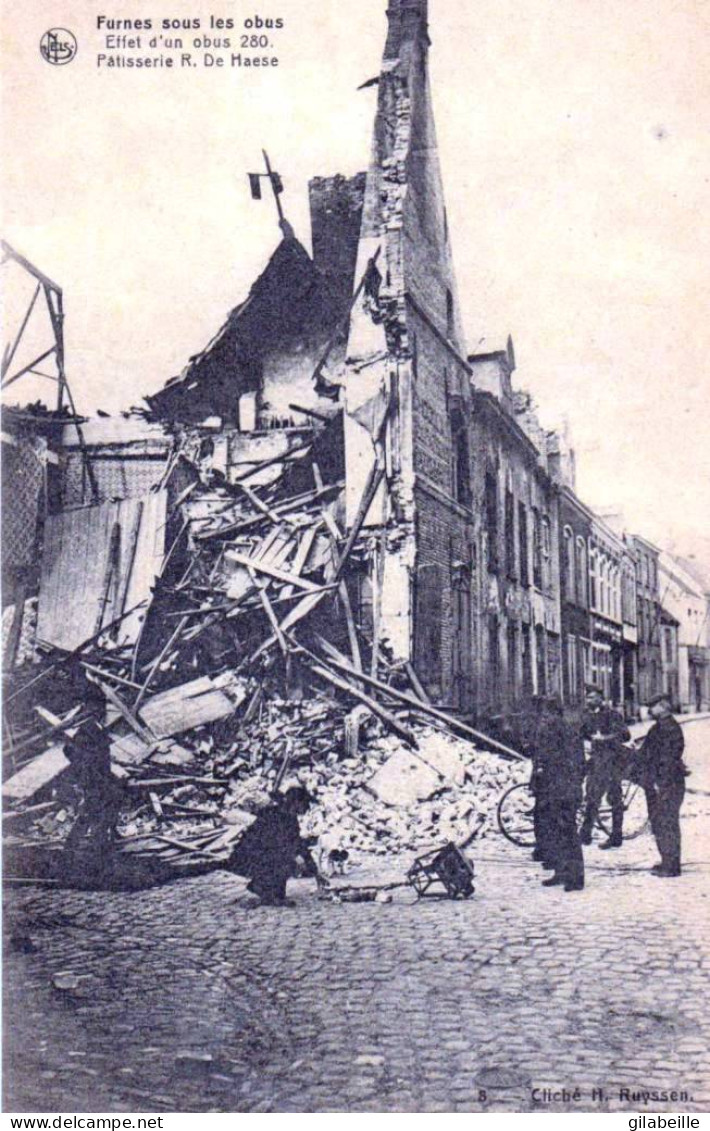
(445, 868)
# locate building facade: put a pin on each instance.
(575, 535)
(648, 611)
(686, 604)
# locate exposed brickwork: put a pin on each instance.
(336, 216)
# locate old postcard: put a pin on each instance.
(355, 561)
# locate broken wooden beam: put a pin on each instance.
(427, 709)
(185, 779)
(272, 571)
(133, 721)
(377, 709)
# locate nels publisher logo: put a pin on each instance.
(58, 46)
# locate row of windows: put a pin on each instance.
(516, 544)
(586, 663)
(527, 659)
(647, 569)
(590, 577)
(604, 585)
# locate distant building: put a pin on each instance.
(606, 556)
(687, 601)
(648, 606)
(575, 536)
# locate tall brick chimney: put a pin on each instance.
(336, 218)
(408, 21)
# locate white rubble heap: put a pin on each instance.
(348, 813)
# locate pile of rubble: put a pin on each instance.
(392, 801)
(245, 666)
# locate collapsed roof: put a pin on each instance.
(293, 310)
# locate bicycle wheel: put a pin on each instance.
(515, 816)
(635, 812)
(601, 827)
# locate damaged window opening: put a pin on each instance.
(491, 509)
(537, 548)
(523, 539)
(460, 456)
(510, 534)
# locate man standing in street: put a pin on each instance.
(606, 732)
(664, 774)
(559, 754)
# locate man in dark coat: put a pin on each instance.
(664, 774)
(606, 732)
(559, 755)
(270, 847)
(89, 754)
(528, 744)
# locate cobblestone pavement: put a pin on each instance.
(181, 999)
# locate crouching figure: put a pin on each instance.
(272, 848)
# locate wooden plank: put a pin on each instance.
(284, 458)
(130, 558)
(36, 774)
(103, 674)
(352, 630)
(288, 506)
(134, 723)
(272, 571)
(49, 717)
(426, 709)
(184, 779)
(261, 506)
(301, 610)
(374, 706)
(416, 684)
(299, 562)
(269, 612)
(192, 704)
(175, 635)
(376, 476)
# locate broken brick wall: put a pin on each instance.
(408, 343)
(288, 365)
(336, 216)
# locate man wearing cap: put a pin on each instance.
(269, 849)
(606, 733)
(664, 774)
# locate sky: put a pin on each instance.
(576, 165)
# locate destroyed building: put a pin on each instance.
(449, 465)
(332, 543)
(333, 502)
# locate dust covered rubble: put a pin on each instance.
(350, 812)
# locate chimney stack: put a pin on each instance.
(408, 21)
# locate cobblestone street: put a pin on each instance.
(181, 999)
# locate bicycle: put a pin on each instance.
(515, 814)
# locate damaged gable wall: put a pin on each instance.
(407, 346)
(271, 343)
